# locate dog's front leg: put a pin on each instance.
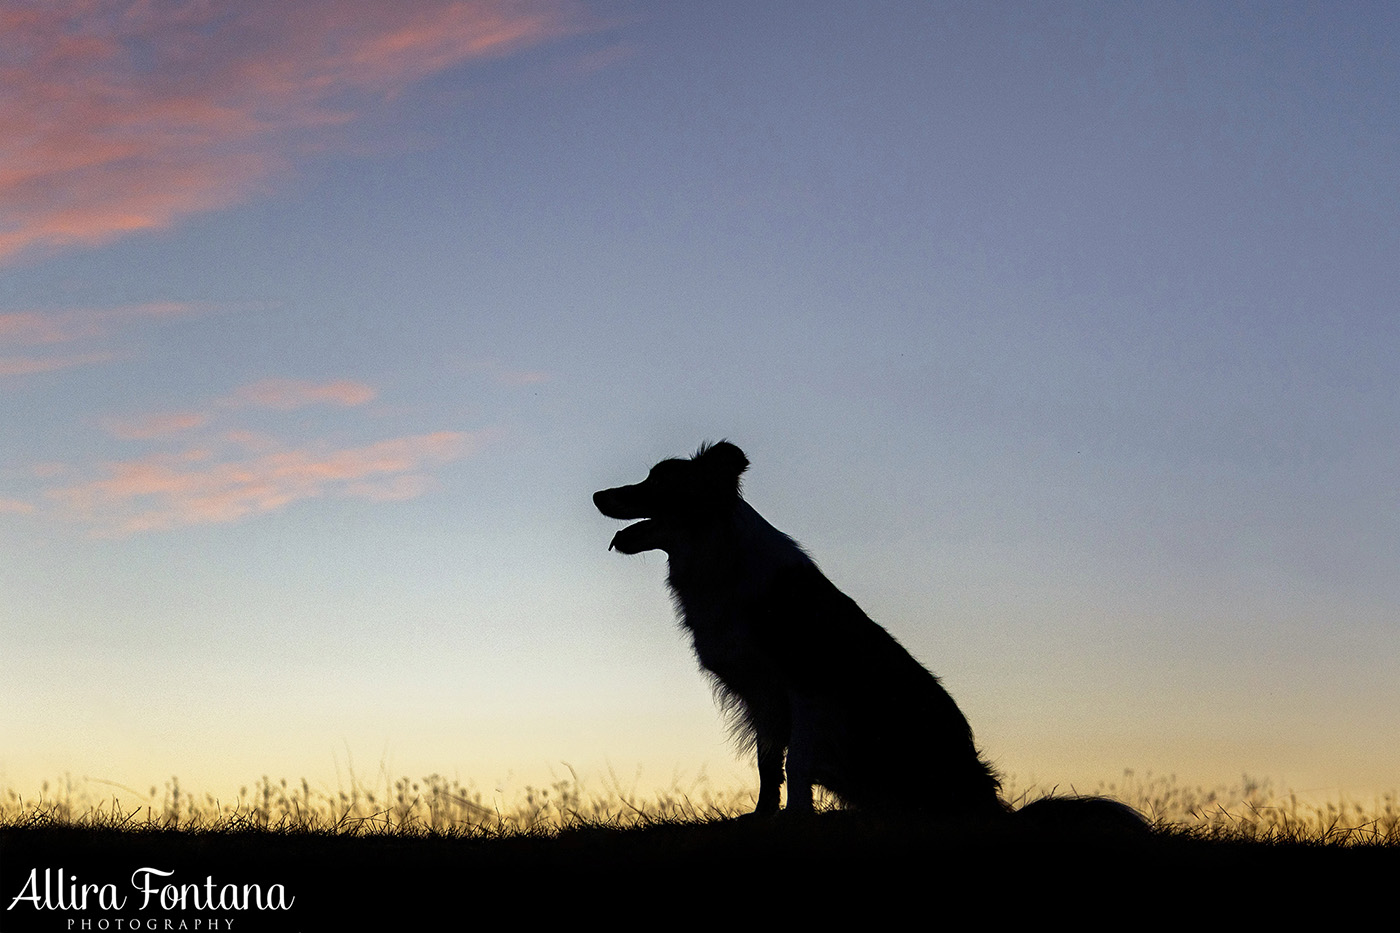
(770, 776)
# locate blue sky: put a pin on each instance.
(1063, 336)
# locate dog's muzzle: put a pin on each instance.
(617, 503)
(649, 534)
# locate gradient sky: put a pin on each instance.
(1064, 336)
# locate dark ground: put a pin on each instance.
(836, 869)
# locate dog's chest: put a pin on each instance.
(723, 637)
(721, 582)
(724, 623)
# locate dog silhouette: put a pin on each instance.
(808, 680)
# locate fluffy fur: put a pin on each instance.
(805, 674)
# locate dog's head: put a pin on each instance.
(676, 494)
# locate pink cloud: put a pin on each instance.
(277, 394)
(197, 487)
(69, 325)
(32, 327)
(125, 115)
(145, 427)
(24, 365)
(516, 378)
(506, 376)
(407, 486)
(64, 325)
(15, 507)
(287, 394)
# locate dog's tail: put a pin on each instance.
(1083, 813)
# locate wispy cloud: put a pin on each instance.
(25, 365)
(125, 115)
(204, 465)
(40, 332)
(63, 325)
(146, 427)
(204, 485)
(286, 394)
(508, 376)
(275, 394)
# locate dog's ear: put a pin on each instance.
(724, 458)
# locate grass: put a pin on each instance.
(1248, 811)
(370, 857)
(433, 804)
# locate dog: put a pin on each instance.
(817, 688)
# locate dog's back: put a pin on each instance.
(797, 664)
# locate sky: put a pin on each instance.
(1063, 336)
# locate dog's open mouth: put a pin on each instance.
(637, 537)
(649, 534)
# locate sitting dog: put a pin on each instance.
(802, 672)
